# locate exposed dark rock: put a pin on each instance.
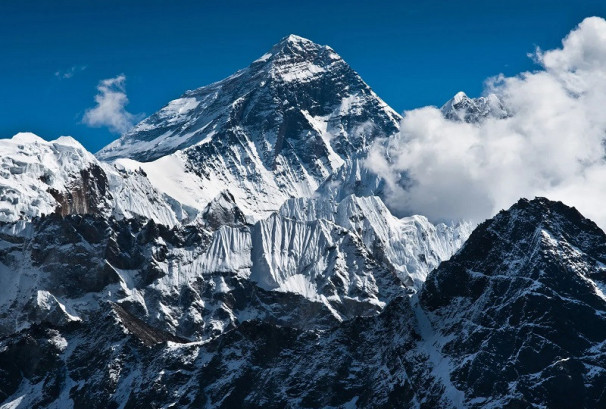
(86, 195)
(146, 333)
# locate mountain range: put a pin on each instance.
(234, 250)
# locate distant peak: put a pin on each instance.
(453, 102)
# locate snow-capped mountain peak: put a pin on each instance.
(472, 110)
(42, 177)
(274, 130)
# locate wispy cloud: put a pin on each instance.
(70, 72)
(110, 110)
(552, 145)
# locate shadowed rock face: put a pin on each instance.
(86, 195)
(64, 268)
(523, 305)
(516, 319)
(147, 334)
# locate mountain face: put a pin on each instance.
(521, 309)
(272, 131)
(514, 319)
(233, 250)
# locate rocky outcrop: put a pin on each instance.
(87, 194)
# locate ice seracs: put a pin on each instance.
(410, 246)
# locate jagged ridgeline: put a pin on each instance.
(233, 251)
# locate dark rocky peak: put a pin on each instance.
(537, 243)
(522, 309)
(223, 211)
(531, 223)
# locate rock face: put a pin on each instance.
(522, 309)
(515, 319)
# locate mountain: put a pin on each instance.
(274, 130)
(80, 232)
(473, 110)
(216, 215)
(350, 259)
(515, 319)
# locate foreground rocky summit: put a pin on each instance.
(521, 309)
(515, 319)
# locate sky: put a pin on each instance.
(58, 56)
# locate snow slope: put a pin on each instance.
(39, 177)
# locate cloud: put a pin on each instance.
(551, 145)
(110, 110)
(69, 73)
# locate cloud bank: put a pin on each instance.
(551, 145)
(110, 110)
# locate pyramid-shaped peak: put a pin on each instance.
(296, 76)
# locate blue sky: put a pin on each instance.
(411, 53)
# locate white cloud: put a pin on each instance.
(110, 110)
(69, 73)
(552, 145)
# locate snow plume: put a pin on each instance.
(551, 145)
(110, 110)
